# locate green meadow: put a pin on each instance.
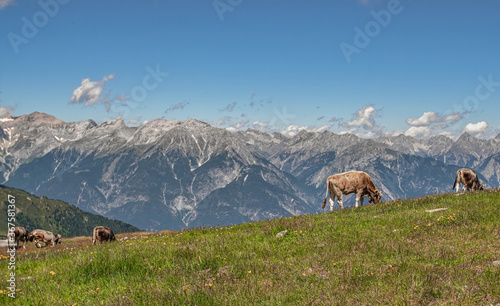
(389, 253)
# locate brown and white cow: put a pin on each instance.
(46, 237)
(102, 233)
(351, 182)
(20, 234)
(468, 178)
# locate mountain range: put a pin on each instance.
(169, 174)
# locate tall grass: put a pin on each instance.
(390, 253)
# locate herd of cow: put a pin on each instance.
(361, 184)
(100, 233)
(337, 185)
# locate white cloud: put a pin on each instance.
(364, 117)
(418, 132)
(260, 125)
(454, 118)
(432, 123)
(429, 118)
(5, 3)
(440, 127)
(426, 119)
(241, 124)
(5, 111)
(176, 107)
(222, 121)
(362, 123)
(90, 92)
(350, 131)
(233, 127)
(476, 128)
(293, 129)
(322, 128)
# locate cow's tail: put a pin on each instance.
(326, 196)
(456, 180)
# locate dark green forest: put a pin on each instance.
(56, 216)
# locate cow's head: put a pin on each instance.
(477, 186)
(31, 237)
(58, 239)
(375, 197)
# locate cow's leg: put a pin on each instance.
(332, 199)
(457, 187)
(359, 197)
(339, 200)
(361, 200)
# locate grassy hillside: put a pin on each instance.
(390, 253)
(56, 216)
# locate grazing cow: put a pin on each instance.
(351, 182)
(468, 178)
(20, 234)
(46, 237)
(102, 233)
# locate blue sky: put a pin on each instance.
(368, 67)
